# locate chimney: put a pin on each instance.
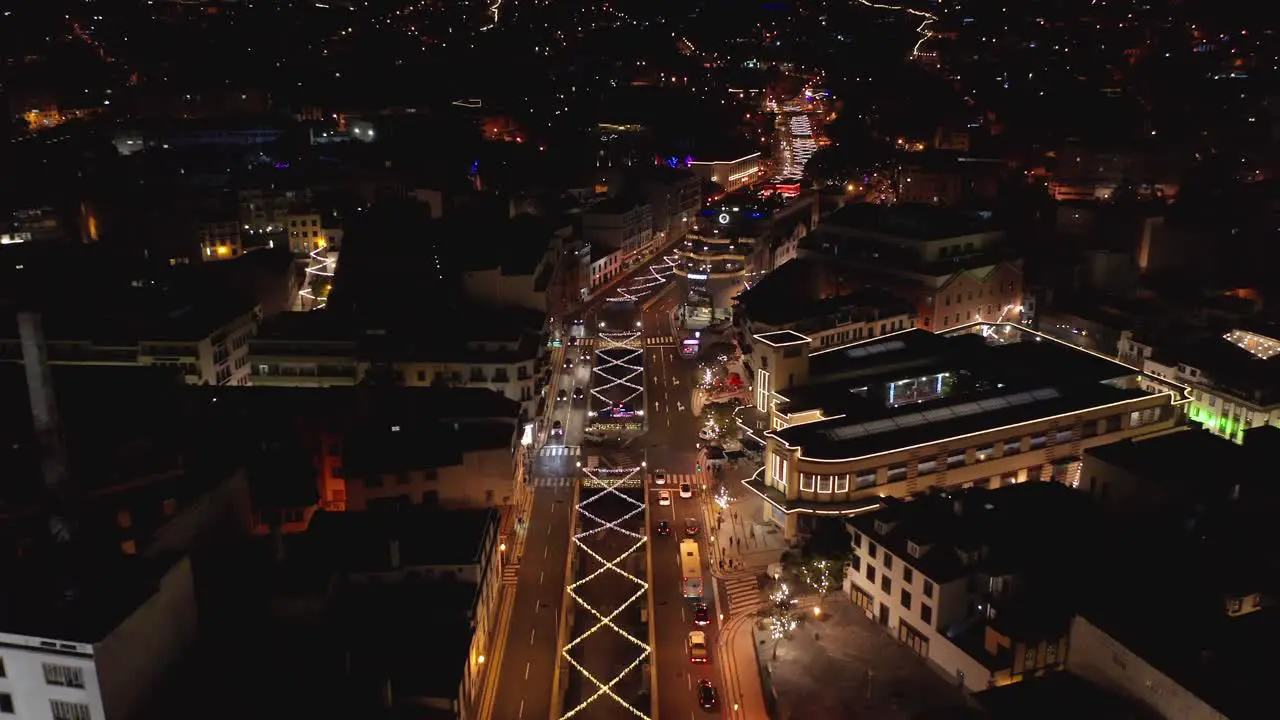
(48, 427)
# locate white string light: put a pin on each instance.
(626, 361)
(644, 284)
(924, 26)
(322, 266)
(610, 480)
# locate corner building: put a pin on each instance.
(894, 416)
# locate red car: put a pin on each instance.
(690, 527)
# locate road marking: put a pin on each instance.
(526, 670)
(540, 574)
(537, 605)
(545, 549)
(521, 709)
(682, 618)
(531, 632)
(688, 679)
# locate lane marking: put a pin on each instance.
(540, 574)
(526, 670)
(521, 709)
(545, 550)
(531, 632)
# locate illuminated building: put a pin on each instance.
(945, 573)
(674, 195)
(1234, 379)
(947, 179)
(987, 405)
(220, 240)
(730, 174)
(736, 239)
(809, 296)
(618, 225)
(206, 347)
(954, 266)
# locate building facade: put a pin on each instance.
(985, 406)
(730, 174)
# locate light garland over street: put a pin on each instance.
(644, 284)
(322, 266)
(617, 368)
(611, 480)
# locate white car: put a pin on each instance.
(664, 497)
(659, 477)
(698, 652)
(686, 490)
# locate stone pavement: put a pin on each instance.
(846, 666)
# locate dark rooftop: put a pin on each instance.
(371, 451)
(360, 542)
(981, 386)
(908, 221)
(1232, 368)
(1059, 696)
(810, 288)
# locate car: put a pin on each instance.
(701, 614)
(659, 477)
(568, 364)
(572, 341)
(708, 698)
(578, 394)
(664, 497)
(698, 650)
(664, 527)
(585, 357)
(686, 490)
(557, 429)
(690, 527)
(562, 395)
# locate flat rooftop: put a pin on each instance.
(917, 387)
(908, 221)
(806, 290)
(360, 542)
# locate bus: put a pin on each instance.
(690, 570)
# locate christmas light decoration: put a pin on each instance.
(623, 366)
(611, 480)
(924, 26)
(493, 12)
(722, 498)
(321, 270)
(644, 284)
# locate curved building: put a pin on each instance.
(912, 412)
(712, 271)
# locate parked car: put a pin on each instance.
(698, 650)
(686, 490)
(659, 477)
(664, 497)
(708, 698)
(691, 527)
(664, 527)
(701, 614)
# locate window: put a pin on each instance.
(2, 668)
(906, 599)
(64, 675)
(825, 482)
(907, 574)
(888, 560)
(855, 562)
(926, 614)
(6, 704)
(872, 548)
(886, 583)
(857, 543)
(806, 482)
(871, 573)
(928, 588)
(63, 710)
(1051, 653)
(1029, 659)
(913, 549)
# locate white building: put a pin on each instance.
(730, 174)
(619, 224)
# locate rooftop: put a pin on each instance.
(371, 451)
(1232, 368)
(808, 289)
(915, 387)
(361, 542)
(908, 221)
(978, 531)
(782, 338)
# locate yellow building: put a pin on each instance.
(982, 406)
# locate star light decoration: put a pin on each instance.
(645, 284)
(618, 368)
(322, 266)
(611, 480)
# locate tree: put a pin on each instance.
(823, 575)
(780, 615)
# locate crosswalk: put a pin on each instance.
(742, 592)
(674, 480)
(558, 450)
(551, 482)
(659, 340)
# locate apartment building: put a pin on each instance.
(207, 346)
(619, 223)
(812, 297)
(422, 585)
(498, 350)
(954, 266)
(968, 580)
(986, 405)
(674, 195)
(220, 240)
